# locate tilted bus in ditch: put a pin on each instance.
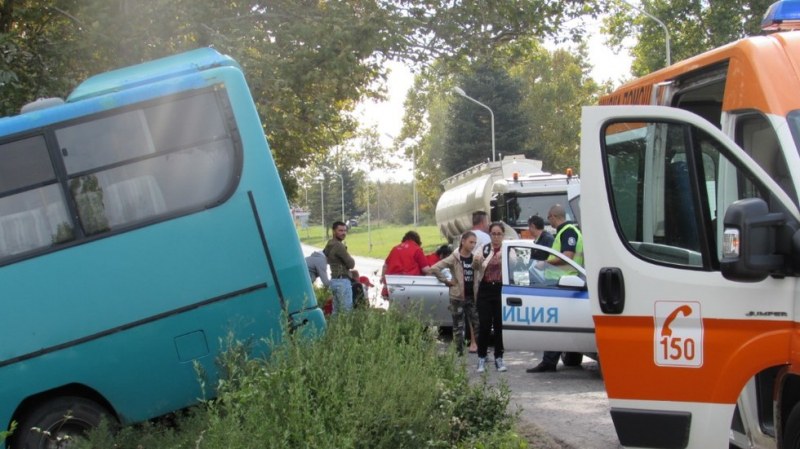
(142, 223)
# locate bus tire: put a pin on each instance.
(571, 358)
(67, 416)
(791, 432)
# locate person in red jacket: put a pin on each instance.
(440, 253)
(406, 258)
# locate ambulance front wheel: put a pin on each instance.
(791, 433)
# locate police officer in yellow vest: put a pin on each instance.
(568, 241)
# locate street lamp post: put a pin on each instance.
(413, 179)
(461, 92)
(321, 180)
(341, 180)
(369, 218)
(666, 32)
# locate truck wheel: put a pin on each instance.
(51, 424)
(571, 358)
(791, 434)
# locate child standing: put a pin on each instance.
(465, 272)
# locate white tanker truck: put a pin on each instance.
(510, 190)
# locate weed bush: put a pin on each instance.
(374, 380)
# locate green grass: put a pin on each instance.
(383, 239)
(375, 380)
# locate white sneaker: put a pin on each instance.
(481, 364)
(498, 363)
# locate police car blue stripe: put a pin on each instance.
(545, 292)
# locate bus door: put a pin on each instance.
(678, 341)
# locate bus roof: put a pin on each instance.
(129, 84)
(148, 72)
(761, 71)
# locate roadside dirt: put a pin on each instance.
(567, 409)
(536, 437)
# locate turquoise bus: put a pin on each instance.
(142, 223)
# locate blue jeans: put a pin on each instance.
(342, 294)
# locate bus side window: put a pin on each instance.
(129, 169)
(33, 212)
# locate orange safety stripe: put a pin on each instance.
(734, 351)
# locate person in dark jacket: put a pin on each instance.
(341, 263)
(540, 236)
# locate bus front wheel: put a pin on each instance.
(53, 424)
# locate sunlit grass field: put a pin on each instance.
(382, 238)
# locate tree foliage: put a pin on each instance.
(468, 133)
(541, 111)
(555, 86)
(308, 62)
(694, 26)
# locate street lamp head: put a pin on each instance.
(459, 91)
(319, 178)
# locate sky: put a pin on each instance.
(387, 116)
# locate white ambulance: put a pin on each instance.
(690, 219)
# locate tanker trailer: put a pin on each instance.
(510, 190)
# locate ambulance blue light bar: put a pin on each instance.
(782, 16)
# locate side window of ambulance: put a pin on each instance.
(756, 136)
(670, 184)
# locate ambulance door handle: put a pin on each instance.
(611, 289)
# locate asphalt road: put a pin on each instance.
(567, 409)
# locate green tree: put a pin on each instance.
(694, 26)
(468, 139)
(551, 89)
(555, 85)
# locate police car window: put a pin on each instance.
(534, 268)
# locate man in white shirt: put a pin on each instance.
(480, 226)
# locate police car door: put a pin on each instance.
(676, 339)
(545, 307)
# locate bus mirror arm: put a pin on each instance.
(750, 248)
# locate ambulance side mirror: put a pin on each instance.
(749, 249)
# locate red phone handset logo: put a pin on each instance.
(679, 337)
(684, 310)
